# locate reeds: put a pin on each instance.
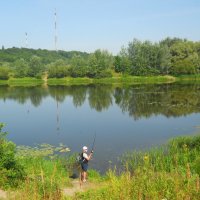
(47, 173)
(44, 181)
(170, 172)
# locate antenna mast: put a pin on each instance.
(26, 35)
(55, 26)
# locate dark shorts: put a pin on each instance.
(84, 166)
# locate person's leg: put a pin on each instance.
(81, 175)
(85, 167)
(84, 176)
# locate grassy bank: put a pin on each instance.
(44, 174)
(170, 172)
(22, 82)
(188, 78)
(113, 80)
(116, 79)
(33, 172)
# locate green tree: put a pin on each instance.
(185, 59)
(164, 59)
(100, 64)
(78, 66)
(36, 67)
(171, 41)
(4, 72)
(122, 62)
(58, 69)
(143, 57)
(21, 68)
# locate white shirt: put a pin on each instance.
(85, 156)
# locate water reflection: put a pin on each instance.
(170, 100)
(100, 97)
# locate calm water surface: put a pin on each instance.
(124, 118)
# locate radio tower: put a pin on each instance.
(55, 26)
(26, 35)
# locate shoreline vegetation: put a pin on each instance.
(158, 61)
(119, 79)
(171, 171)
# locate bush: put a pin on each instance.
(58, 71)
(4, 73)
(107, 73)
(78, 71)
(11, 172)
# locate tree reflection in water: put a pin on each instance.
(170, 100)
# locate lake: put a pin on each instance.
(124, 118)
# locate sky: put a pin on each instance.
(87, 25)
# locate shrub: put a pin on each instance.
(4, 73)
(11, 171)
(107, 73)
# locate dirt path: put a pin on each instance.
(76, 187)
(3, 195)
(45, 77)
(70, 191)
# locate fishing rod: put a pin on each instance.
(94, 141)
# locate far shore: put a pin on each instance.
(124, 80)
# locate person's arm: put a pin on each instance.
(88, 157)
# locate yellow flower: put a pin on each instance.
(146, 157)
(185, 147)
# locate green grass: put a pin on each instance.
(116, 79)
(22, 82)
(46, 172)
(44, 179)
(113, 80)
(69, 81)
(170, 172)
(188, 77)
(148, 79)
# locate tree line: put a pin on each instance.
(171, 56)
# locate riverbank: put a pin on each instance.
(171, 171)
(118, 79)
(113, 80)
(22, 82)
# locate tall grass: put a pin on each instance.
(47, 172)
(170, 172)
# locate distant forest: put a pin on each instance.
(171, 56)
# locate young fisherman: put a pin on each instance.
(84, 164)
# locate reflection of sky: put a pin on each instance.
(116, 132)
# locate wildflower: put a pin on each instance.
(185, 147)
(146, 157)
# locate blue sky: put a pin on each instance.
(87, 25)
